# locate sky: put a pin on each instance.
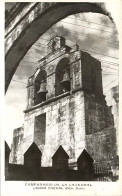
(93, 33)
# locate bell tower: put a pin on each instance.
(66, 107)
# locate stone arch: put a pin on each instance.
(38, 20)
(62, 65)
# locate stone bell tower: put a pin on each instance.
(66, 106)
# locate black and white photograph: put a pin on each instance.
(61, 93)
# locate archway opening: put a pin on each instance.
(62, 77)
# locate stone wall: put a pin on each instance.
(65, 126)
(91, 74)
(98, 115)
(70, 124)
(102, 146)
(17, 140)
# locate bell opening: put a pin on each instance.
(41, 94)
(66, 81)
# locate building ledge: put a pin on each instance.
(58, 97)
(47, 102)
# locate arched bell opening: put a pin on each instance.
(62, 77)
(40, 87)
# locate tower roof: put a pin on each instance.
(85, 155)
(7, 149)
(33, 149)
(60, 153)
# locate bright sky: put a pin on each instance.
(92, 32)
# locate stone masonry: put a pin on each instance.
(71, 112)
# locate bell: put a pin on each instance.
(43, 88)
(66, 77)
(66, 80)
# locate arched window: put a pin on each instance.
(40, 87)
(62, 77)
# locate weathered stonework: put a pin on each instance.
(104, 143)
(76, 118)
(17, 140)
